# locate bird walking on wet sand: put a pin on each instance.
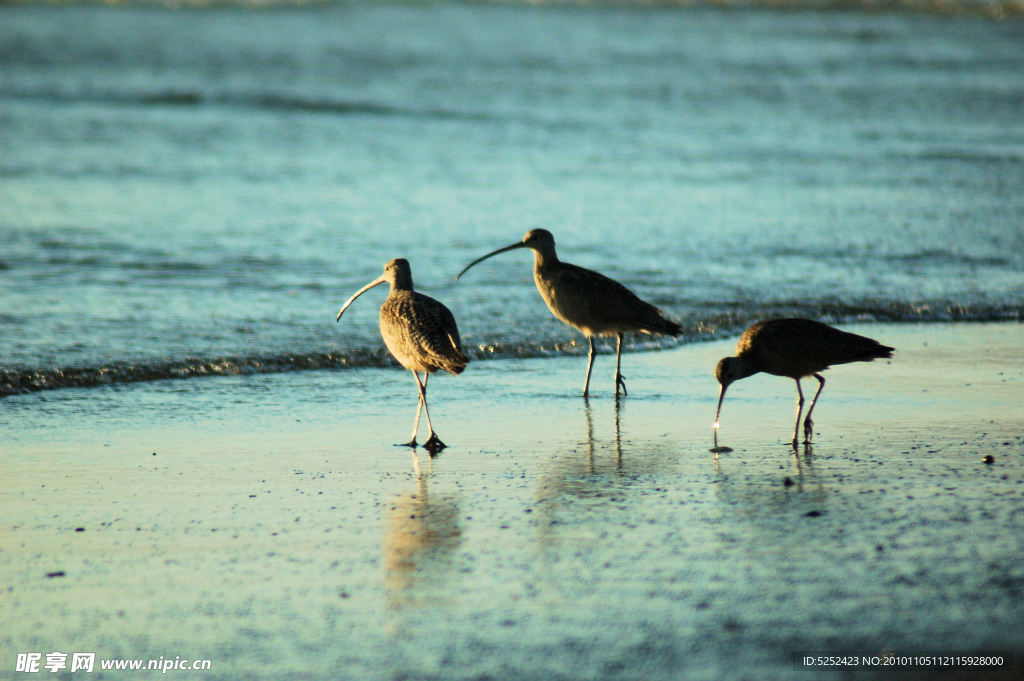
(587, 300)
(421, 334)
(794, 348)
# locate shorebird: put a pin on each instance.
(587, 300)
(419, 332)
(794, 348)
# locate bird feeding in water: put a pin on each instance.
(794, 348)
(419, 332)
(587, 300)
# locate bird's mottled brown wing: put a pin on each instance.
(597, 304)
(421, 333)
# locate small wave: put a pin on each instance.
(943, 255)
(319, 105)
(925, 255)
(265, 100)
(19, 381)
(996, 9)
(281, 102)
(839, 312)
(175, 98)
(727, 324)
(354, 107)
(998, 156)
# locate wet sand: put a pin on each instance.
(266, 523)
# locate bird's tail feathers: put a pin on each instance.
(664, 325)
(455, 365)
(880, 352)
(871, 350)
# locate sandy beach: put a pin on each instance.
(269, 525)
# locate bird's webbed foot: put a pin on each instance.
(620, 382)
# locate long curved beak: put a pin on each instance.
(511, 247)
(714, 428)
(375, 282)
(718, 412)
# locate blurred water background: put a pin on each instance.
(196, 189)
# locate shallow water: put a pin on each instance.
(199, 195)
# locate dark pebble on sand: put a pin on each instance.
(79, 529)
(989, 459)
(58, 573)
(788, 482)
(814, 514)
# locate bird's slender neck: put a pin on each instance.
(743, 367)
(401, 282)
(544, 258)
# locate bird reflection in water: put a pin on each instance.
(585, 479)
(760, 495)
(590, 434)
(421, 538)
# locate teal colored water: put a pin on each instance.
(197, 190)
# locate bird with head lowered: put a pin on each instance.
(794, 348)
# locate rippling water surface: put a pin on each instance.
(196, 191)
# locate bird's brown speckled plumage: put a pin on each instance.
(419, 332)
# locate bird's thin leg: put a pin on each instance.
(620, 380)
(590, 365)
(799, 409)
(419, 409)
(808, 423)
(433, 443)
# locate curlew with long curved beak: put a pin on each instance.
(419, 332)
(587, 300)
(794, 348)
